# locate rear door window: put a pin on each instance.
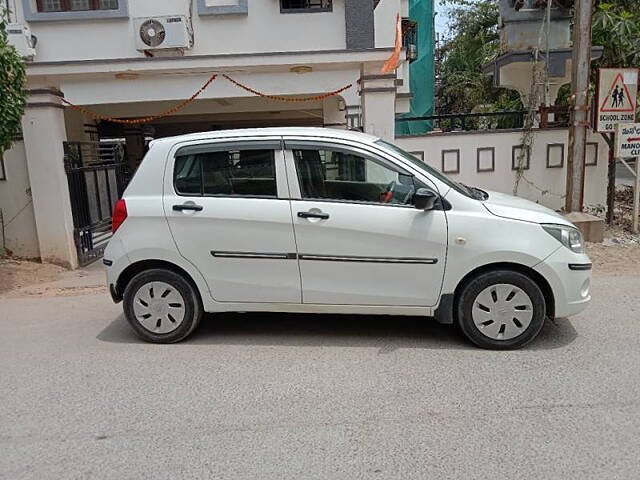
(244, 171)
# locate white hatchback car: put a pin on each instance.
(329, 221)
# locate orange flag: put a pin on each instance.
(394, 60)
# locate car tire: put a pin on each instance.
(501, 310)
(162, 306)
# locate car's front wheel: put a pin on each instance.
(501, 309)
(161, 306)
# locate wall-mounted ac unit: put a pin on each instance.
(157, 33)
(20, 37)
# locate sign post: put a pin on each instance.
(628, 146)
(617, 93)
(616, 102)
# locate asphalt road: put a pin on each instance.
(316, 397)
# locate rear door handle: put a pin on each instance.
(187, 206)
(323, 216)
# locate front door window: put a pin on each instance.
(326, 173)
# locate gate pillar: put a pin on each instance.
(378, 100)
(44, 132)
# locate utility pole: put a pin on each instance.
(581, 66)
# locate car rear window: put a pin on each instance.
(236, 172)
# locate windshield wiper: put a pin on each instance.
(475, 192)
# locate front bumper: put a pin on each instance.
(569, 275)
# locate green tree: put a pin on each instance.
(616, 26)
(473, 40)
(12, 93)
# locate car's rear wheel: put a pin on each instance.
(162, 306)
(501, 309)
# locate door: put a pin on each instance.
(360, 241)
(228, 210)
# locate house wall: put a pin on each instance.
(262, 29)
(159, 87)
(465, 145)
(20, 235)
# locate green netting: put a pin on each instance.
(421, 70)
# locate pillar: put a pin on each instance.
(333, 113)
(134, 138)
(378, 101)
(43, 127)
(80, 127)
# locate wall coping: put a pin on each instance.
(480, 132)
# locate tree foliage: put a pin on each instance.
(473, 40)
(616, 26)
(12, 93)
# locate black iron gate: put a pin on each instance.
(97, 175)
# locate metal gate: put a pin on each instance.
(97, 175)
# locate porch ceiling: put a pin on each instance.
(206, 107)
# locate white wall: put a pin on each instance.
(385, 21)
(264, 29)
(503, 178)
(21, 237)
(176, 86)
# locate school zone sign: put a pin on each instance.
(617, 98)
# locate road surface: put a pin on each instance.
(313, 397)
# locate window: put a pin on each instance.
(326, 173)
(75, 5)
(430, 170)
(226, 172)
(410, 38)
(305, 6)
(528, 5)
(3, 173)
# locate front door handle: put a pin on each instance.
(323, 216)
(187, 206)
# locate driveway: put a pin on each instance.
(315, 397)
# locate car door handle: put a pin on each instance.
(187, 206)
(323, 216)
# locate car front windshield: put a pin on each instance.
(426, 168)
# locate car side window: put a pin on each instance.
(233, 172)
(336, 174)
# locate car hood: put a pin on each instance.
(508, 206)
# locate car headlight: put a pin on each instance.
(570, 237)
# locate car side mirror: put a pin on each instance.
(424, 199)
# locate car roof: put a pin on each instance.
(332, 133)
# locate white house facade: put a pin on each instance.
(130, 59)
(107, 76)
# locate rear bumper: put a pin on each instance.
(115, 261)
(569, 275)
(114, 294)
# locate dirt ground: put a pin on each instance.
(614, 259)
(16, 274)
(20, 278)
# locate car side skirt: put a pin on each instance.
(321, 308)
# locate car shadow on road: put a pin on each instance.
(387, 333)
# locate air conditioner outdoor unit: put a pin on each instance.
(20, 37)
(159, 33)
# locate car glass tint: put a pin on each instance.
(227, 173)
(188, 175)
(337, 175)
